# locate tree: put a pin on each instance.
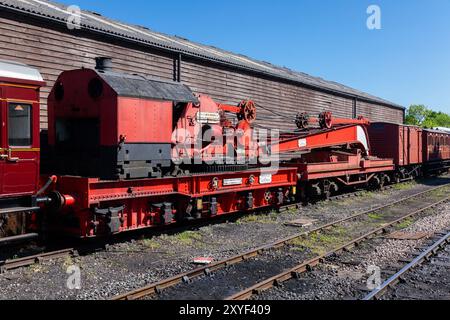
(416, 114)
(420, 115)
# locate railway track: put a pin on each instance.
(11, 264)
(187, 277)
(424, 257)
(303, 267)
(38, 258)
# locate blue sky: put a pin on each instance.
(407, 61)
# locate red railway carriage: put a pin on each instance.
(19, 145)
(402, 143)
(436, 150)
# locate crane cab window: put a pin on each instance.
(19, 125)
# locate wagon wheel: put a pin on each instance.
(248, 111)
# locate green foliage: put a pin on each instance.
(420, 115)
(187, 237)
(416, 115)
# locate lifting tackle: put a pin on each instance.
(325, 120)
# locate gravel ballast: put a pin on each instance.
(346, 275)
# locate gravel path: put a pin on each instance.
(130, 265)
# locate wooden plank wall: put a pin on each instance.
(278, 102)
(379, 113)
(53, 50)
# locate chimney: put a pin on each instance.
(103, 64)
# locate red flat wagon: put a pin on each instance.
(88, 207)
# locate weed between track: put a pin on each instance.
(405, 224)
(321, 242)
(375, 216)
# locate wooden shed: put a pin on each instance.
(36, 32)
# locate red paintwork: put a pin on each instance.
(338, 136)
(188, 129)
(139, 195)
(121, 119)
(141, 121)
(341, 165)
(134, 120)
(399, 142)
(19, 171)
(332, 121)
(77, 104)
(436, 146)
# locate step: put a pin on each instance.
(18, 210)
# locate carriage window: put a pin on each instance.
(19, 125)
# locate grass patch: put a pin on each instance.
(403, 186)
(345, 202)
(405, 224)
(187, 237)
(442, 192)
(368, 194)
(151, 244)
(68, 261)
(375, 216)
(320, 243)
(258, 218)
(36, 268)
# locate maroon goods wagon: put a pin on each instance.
(436, 151)
(402, 143)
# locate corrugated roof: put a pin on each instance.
(139, 86)
(92, 21)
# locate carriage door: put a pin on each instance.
(19, 158)
(2, 136)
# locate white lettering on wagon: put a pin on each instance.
(232, 182)
(265, 179)
(208, 117)
(302, 143)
